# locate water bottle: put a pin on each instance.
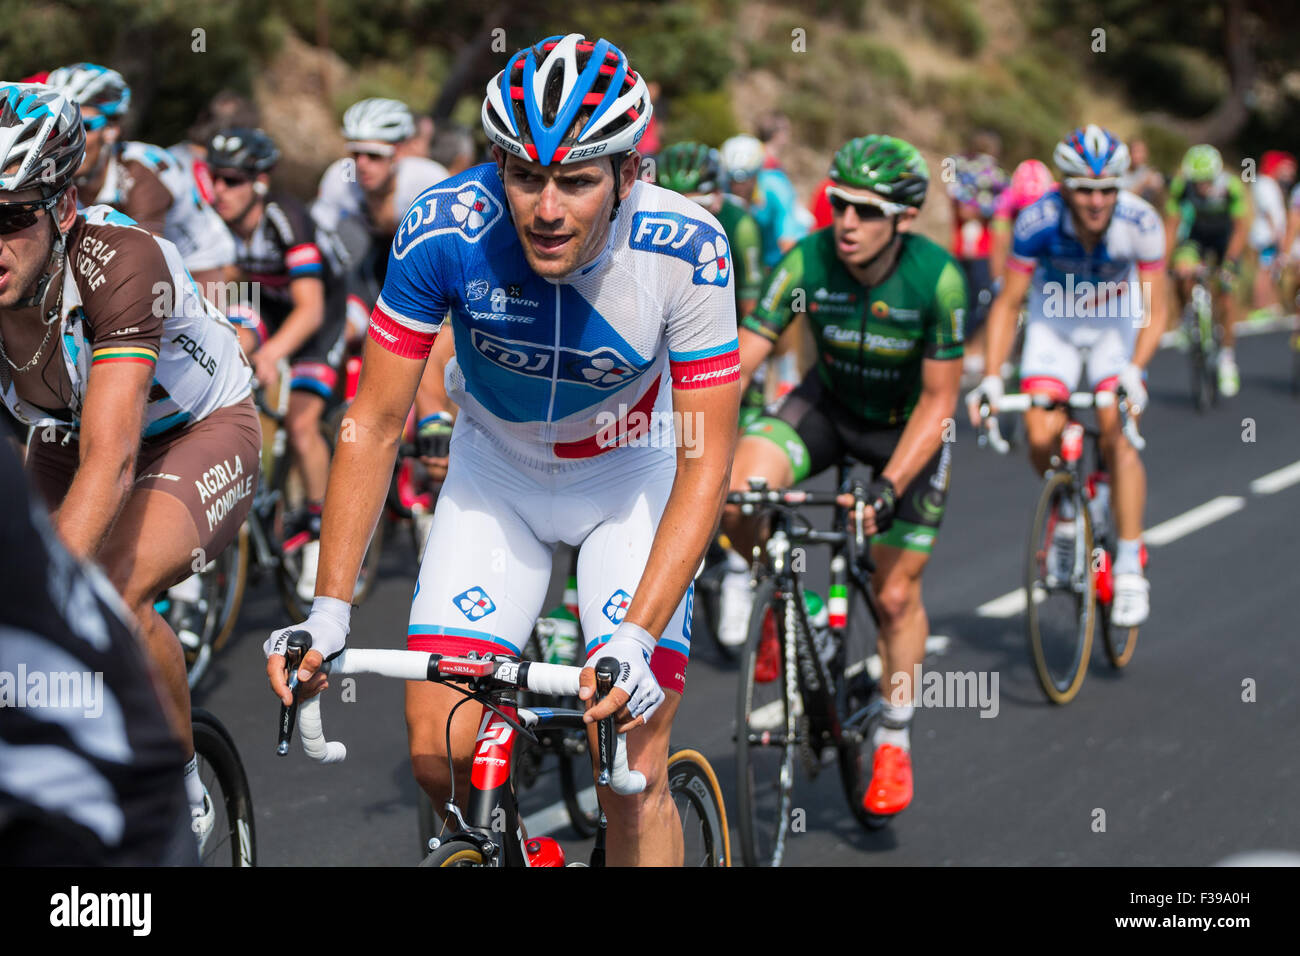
(1099, 507)
(819, 621)
(559, 629)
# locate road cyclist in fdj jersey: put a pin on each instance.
(145, 445)
(590, 310)
(298, 313)
(144, 181)
(1208, 223)
(886, 306)
(1091, 258)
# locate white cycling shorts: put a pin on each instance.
(1052, 359)
(486, 566)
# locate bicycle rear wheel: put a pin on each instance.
(859, 701)
(1060, 615)
(695, 791)
(1118, 642)
(766, 734)
(232, 841)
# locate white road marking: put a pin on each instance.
(1199, 517)
(1008, 605)
(1276, 480)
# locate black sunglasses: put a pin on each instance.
(230, 180)
(866, 211)
(1089, 190)
(17, 216)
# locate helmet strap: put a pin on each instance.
(54, 263)
(616, 162)
(878, 268)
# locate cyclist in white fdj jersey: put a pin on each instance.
(589, 309)
(1087, 256)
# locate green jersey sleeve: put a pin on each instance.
(782, 297)
(1238, 207)
(1174, 204)
(746, 253)
(944, 333)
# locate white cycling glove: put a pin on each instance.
(990, 389)
(632, 646)
(328, 624)
(1135, 390)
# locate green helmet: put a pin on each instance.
(1202, 164)
(884, 164)
(688, 168)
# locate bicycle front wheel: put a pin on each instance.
(1119, 642)
(766, 734)
(1061, 602)
(695, 792)
(455, 853)
(232, 841)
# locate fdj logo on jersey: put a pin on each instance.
(617, 606)
(474, 603)
(468, 209)
(601, 368)
(690, 240)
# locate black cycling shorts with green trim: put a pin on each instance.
(815, 432)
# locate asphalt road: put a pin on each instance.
(1179, 766)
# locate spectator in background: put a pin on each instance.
(1268, 228)
(975, 186)
(419, 144)
(453, 147)
(774, 133)
(1143, 178)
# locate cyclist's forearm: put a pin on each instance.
(300, 325)
(1001, 330)
(693, 509)
(754, 350)
(354, 500)
(1155, 316)
(98, 491)
(1237, 243)
(922, 437)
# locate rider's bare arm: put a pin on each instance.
(691, 514)
(111, 421)
(754, 350)
(432, 394)
(307, 316)
(1155, 286)
(362, 465)
(1002, 317)
(930, 420)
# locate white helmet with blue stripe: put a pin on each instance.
(1091, 153)
(88, 84)
(567, 100)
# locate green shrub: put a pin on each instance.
(1165, 145)
(956, 23)
(882, 61)
(704, 116)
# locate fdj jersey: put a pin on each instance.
(870, 341)
(567, 368)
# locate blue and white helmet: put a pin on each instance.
(88, 84)
(1092, 153)
(42, 140)
(567, 99)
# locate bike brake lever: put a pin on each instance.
(298, 646)
(606, 668)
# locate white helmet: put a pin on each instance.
(42, 141)
(742, 158)
(376, 119)
(1092, 153)
(567, 99)
(87, 84)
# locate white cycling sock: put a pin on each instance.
(899, 735)
(1227, 355)
(193, 785)
(1128, 556)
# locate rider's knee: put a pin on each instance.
(897, 598)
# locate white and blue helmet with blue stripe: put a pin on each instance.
(567, 100)
(88, 84)
(1091, 153)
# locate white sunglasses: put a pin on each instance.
(850, 199)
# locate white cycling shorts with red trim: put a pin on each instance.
(1052, 359)
(487, 565)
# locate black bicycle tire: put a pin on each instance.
(685, 767)
(1054, 693)
(455, 852)
(213, 743)
(1119, 655)
(764, 595)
